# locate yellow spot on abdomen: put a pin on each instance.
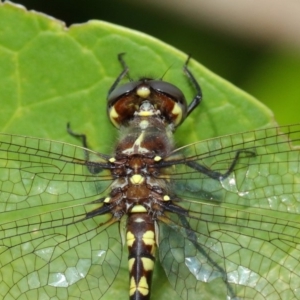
(149, 240)
(130, 263)
(142, 286)
(148, 235)
(148, 263)
(130, 238)
(132, 286)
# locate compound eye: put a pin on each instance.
(121, 91)
(170, 90)
(175, 106)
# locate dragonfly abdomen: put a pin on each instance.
(141, 247)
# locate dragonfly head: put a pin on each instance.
(146, 97)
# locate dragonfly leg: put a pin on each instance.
(193, 239)
(80, 136)
(218, 175)
(93, 168)
(122, 74)
(198, 97)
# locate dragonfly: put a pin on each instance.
(221, 215)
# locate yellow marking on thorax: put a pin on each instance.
(137, 145)
(137, 179)
(139, 139)
(107, 200)
(144, 124)
(166, 198)
(112, 160)
(138, 209)
(157, 158)
(130, 238)
(148, 263)
(142, 286)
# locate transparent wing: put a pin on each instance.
(240, 237)
(48, 247)
(265, 175)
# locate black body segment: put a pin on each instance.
(141, 247)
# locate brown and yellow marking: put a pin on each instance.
(132, 286)
(137, 179)
(141, 253)
(177, 112)
(149, 240)
(142, 286)
(131, 262)
(143, 92)
(148, 263)
(138, 209)
(130, 238)
(136, 148)
(148, 237)
(113, 115)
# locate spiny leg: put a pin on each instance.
(198, 97)
(193, 239)
(122, 74)
(191, 236)
(80, 136)
(94, 169)
(215, 174)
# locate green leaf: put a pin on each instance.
(51, 75)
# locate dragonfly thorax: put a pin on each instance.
(147, 135)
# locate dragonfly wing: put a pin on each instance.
(49, 247)
(239, 236)
(52, 253)
(266, 173)
(36, 172)
(231, 253)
